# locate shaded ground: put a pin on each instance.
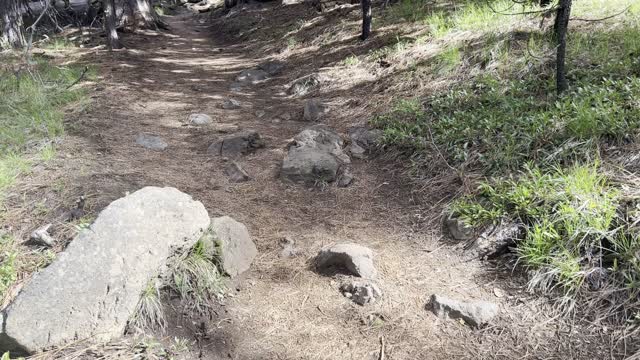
(282, 309)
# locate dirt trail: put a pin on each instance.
(282, 309)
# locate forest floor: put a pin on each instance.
(281, 308)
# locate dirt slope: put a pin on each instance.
(282, 309)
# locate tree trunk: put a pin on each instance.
(561, 25)
(110, 24)
(146, 14)
(12, 26)
(366, 19)
(228, 4)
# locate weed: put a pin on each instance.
(351, 60)
(576, 241)
(195, 276)
(150, 311)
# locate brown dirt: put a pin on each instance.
(282, 309)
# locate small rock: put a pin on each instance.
(314, 110)
(151, 142)
(346, 178)
(237, 144)
(272, 67)
(361, 293)
(252, 76)
(498, 293)
(285, 116)
(230, 104)
(225, 128)
(235, 172)
(199, 119)
(365, 137)
(476, 313)
(41, 236)
(458, 229)
(496, 239)
(288, 248)
(357, 151)
(303, 85)
(232, 239)
(315, 155)
(260, 114)
(354, 258)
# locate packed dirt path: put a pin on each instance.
(281, 309)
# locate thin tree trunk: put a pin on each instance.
(110, 24)
(366, 19)
(561, 25)
(12, 26)
(146, 14)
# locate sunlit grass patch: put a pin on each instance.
(577, 239)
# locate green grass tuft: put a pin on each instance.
(195, 276)
(576, 239)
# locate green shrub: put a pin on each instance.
(502, 125)
(576, 239)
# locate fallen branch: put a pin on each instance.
(84, 71)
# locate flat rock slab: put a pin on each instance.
(151, 142)
(93, 287)
(230, 104)
(353, 258)
(475, 313)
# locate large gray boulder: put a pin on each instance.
(475, 313)
(236, 250)
(355, 259)
(93, 287)
(315, 155)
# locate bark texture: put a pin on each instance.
(12, 25)
(110, 24)
(561, 25)
(366, 19)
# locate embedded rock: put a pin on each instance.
(458, 229)
(314, 110)
(237, 144)
(235, 172)
(230, 104)
(199, 119)
(496, 239)
(353, 258)
(474, 313)
(151, 142)
(252, 76)
(93, 287)
(361, 293)
(236, 249)
(303, 85)
(315, 155)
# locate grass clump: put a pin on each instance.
(195, 276)
(150, 311)
(17, 260)
(500, 125)
(578, 242)
(31, 102)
